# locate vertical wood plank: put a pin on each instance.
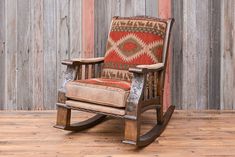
(151, 8)
(38, 56)
(164, 9)
(215, 55)
(100, 35)
(177, 54)
(24, 98)
(228, 55)
(139, 7)
(2, 54)
(203, 51)
(49, 48)
(127, 7)
(75, 28)
(11, 49)
(189, 94)
(62, 38)
(88, 28)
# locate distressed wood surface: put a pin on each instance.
(164, 11)
(88, 28)
(23, 92)
(11, 54)
(50, 53)
(2, 53)
(36, 36)
(203, 60)
(228, 55)
(215, 54)
(205, 133)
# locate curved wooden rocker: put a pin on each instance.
(145, 92)
(64, 116)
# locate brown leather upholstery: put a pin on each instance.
(106, 92)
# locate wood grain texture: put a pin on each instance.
(75, 28)
(62, 38)
(228, 55)
(214, 71)
(34, 40)
(2, 53)
(203, 51)
(88, 28)
(151, 8)
(11, 54)
(164, 11)
(50, 54)
(24, 98)
(177, 54)
(205, 133)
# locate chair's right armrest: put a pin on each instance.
(79, 61)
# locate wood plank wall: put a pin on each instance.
(36, 35)
(203, 62)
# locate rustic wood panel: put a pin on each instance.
(164, 11)
(214, 55)
(200, 55)
(2, 53)
(151, 8)
(23, 94)
(88, 28)
(228, 55)
(177, 54)
(11, 54)
(36, 35)
(75, 28)
(50, 53)
(203, 50)
(62, 38)
(194, 134)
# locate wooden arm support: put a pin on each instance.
(79, 61)
(147, 68)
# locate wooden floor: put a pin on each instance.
(204, 133)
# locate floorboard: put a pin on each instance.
(189, 133)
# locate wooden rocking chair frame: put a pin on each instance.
(146, 93)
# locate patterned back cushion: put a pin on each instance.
(132, 41)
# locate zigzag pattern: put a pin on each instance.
(146, 49)
(127, 48)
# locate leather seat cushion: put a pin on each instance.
(106, 92)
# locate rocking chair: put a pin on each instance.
(128, 81)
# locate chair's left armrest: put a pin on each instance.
(77, 61)
(147, 68)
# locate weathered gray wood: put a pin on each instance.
(203, 50)
(190, 56)
(23, 99)
(62, 38)
(227, 55)
(177, 54)
(125, 8)
(2, 53)
(151, 8)
(139, 7)
(11, 55)
(101, 27)
(215, 55)
(75, 16)
(50, 54)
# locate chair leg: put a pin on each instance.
(64, 116)
(132, 131)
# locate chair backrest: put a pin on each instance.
(133, 41)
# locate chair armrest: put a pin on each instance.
(147, 68)
(77, 61)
